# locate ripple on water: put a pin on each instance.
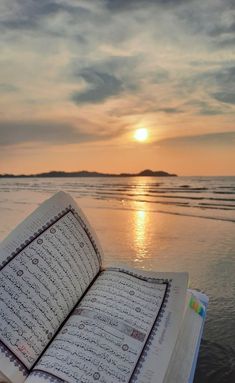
(216, 363)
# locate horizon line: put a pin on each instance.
(125, 173)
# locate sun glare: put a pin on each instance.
(141, 134)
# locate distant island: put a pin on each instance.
(85, 173)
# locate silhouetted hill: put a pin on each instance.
(85, 173)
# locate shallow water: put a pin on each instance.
(138, 226)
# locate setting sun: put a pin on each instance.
(141, 134)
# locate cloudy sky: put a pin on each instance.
(77, 78)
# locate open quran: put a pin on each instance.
(66, 319)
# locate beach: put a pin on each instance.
(158, 224)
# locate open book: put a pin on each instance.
(63, 318)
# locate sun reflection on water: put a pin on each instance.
(140, 234)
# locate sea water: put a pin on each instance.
(160, 223)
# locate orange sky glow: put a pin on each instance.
(79, 78)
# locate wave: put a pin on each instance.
(201, 197)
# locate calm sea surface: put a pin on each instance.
(172, 224)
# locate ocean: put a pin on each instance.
(161, 223)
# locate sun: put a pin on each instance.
(141, 134)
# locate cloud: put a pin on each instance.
(160, 75)
(221, 76)
(104, 79)
(209, 139)
(225, 79)
(226, 97)
(27, 14)
(100, 86)
(88, 53)
(111, 64)
(207, 108)
(120, 67)
(222, 29)
(225, 75)
(53, 133)
(123, 5)
(141, 107)
(170, 110)
(212, 21)
(8, 88)
(226, 42)
(212, 81)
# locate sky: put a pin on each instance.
(77, 78)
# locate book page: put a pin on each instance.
(47, 264)
(184, 358)
(107, 337)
